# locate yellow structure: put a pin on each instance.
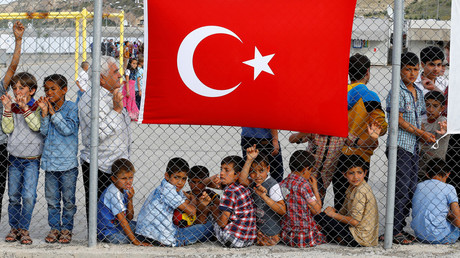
(82, 17)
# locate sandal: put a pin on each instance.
(66, 237)
(24, 237)
(52, 236)
(12, 236)
(401, 239)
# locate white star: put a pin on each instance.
(260, 63)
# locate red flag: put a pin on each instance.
(256, 63)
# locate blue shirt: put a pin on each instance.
(259, 133)
(61, 138)
(430, 206)
(412, 111)
(139, 74)
(155, 218)
(111, 203)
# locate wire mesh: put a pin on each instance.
(166, 195)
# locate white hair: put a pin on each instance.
(105, 63)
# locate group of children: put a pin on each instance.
(253, 207)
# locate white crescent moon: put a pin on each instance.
(185, 60)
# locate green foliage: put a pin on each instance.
(429, 9)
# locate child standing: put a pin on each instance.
(435, 210)
(115, 210)
(155, 220)
(236, 223)
(411, 108)
(434, 123)
(300, 191)
(267, 197)
(139, 82)
(357, 223)
(129, 98)
(21, 121)
(59, 127)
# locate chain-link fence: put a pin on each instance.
(46, 124)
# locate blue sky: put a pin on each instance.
(6, 1)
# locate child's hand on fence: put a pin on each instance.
(6, 101)
(428, 83)
(330, 211)
(18, 30)
(216, 180)
(374, 130)
(204, 200)
(117, 101)
(252, 152)
(21, 101)
(43, 104)
(442, 128)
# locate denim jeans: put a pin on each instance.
(193, 234)
(22, 187)
(3, 172)
(61, 185)
(120, 237)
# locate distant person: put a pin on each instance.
(59, 127)
(110, 47)
(113, 132)
(21, 121)
(18, 31)
(357, 223)
(435, 210)
(129, 93)
(83, 80)
(115, 210)
(155, 220)
(436, 124)
(139, 87)
(126, 54)
(104, 47)
(365, 116)
(301, 195)
(410, 132)
(266, 141)
(430, 78)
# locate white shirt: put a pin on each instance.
(83, 79)
(275, 192)
(441, 83)
(114, 131)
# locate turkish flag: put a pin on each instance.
(255, 63)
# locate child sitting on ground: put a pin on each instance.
(435, 210)
(357, 223)
(267, 197)
(155, 220)
(300, 192)
(59, 127)
(235, 220)
(115, 210)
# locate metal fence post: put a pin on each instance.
(394, 115)
(95, 82)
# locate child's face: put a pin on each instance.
(124, 180)
(259, 172)
(433, 109)
(19, 90)
(177, 179)
(196, 185)
(228, 174)
(134, 64)
(409, 74)
(54, 92)
(432, 69)
(355, 176)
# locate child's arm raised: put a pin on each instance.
(277, 206)
(251, 154)
(331, 212)
(315, 205)
(18, 31)
(426, 136)
(275, 142)
(213, 182)
(7, 116)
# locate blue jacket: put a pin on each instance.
(61, 138)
